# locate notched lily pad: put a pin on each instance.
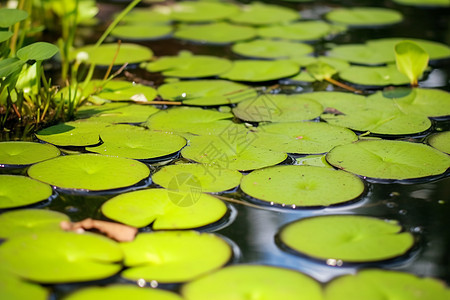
(202, 11)
(440, 141)
(16, 191)
(374, 76)
(116, 112)
(142, 32)
(174, 256)
(364, 16)
(14, 288)
(259, 14)
(260, 70)
(271, 49)
(300, 31)
(25, 153)
(341, 239)
(105, 54)
(117, 90)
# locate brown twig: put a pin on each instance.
(343, 85)
(116, 231)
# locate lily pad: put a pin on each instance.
(389, 160)
(75, 133)
(260, 70)
(25, 153)
(302, 137)
(424, 3)
(374, 76)
(252, 281)
(379, 284)
(13, 287)
(26, 221)
(117, 90)
(209, 178)
(435, 50)
(105, 54)
(440, 141)
(117, 112)
(90, 172)
(258, 14)
(271, 49)
(189, 66)
(137, 143)
(278, 108)
(364, 16)
(59, 257)
(227, 152)
(142, 32)
(121, 291)
(16, 191)
(339, 239)
(313, 160)
(302, 186)
(215, 33)
(206, 92)
(155, 15)
(300, 31)
(304, 76)
(166, 209)
(202, 11)
(174, 256)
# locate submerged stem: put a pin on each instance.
(343, 85)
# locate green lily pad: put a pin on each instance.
(75, 133)
(142, 31)
(338, 239)
(381, 284)
(25, 153)
(89, 172)
(215, 33)
(166, 209)
(411, 60)
(304, 76)
(121, 291)
(389, 160)
(16, 191)
(156, 14)
(300, 31)
(206, 92)
(203, 11)
(59, 257)
(9, 16)
(137, 143)
(209, 178)
(104, 54)
(233, 151)
(313, 160)
(260, 70)
(364, 16)
(13, 287)
(251, 282)
(174, 256)
(259, 14)
(374, 76)
(117, 90)
(424, 3)
(189, 66)
(26, 221)
(440, 141)
(302, 137)
(435, 50)
(117, 112)
(271, 49)
(302, 186)
(278, 108)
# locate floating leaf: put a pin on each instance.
(206, 92)
(202, 11)
(207, 178)
(89, 172)
(304, 61)
(189, 66)
(117, 112)
(117, 90)
(411, 60)
(313, 160)
(142, 31)
(37, 51)
(424, 3)
(300, 31)
(302, 186)
(374, 76)
(152, 15)
(302, 137)
(13, 287)
(121, 291)
(231, 151)
(215, 33)
(174, 256)
(26, 221)
(137, 143)
(364, 16)
(378, 284)
(105, 54)
(338, 239)
(9, 17)
(389, 160)
(252, 281)
(440, 141)
(184, 208)
(25, 153)
(321, 70)
(271, 49)
(5, 35)
(16, 191)
(260, 70)
(278, 108)
(59, 257)
(258, 13)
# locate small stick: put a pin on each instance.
(116, 231)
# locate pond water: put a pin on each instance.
(421, 208)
